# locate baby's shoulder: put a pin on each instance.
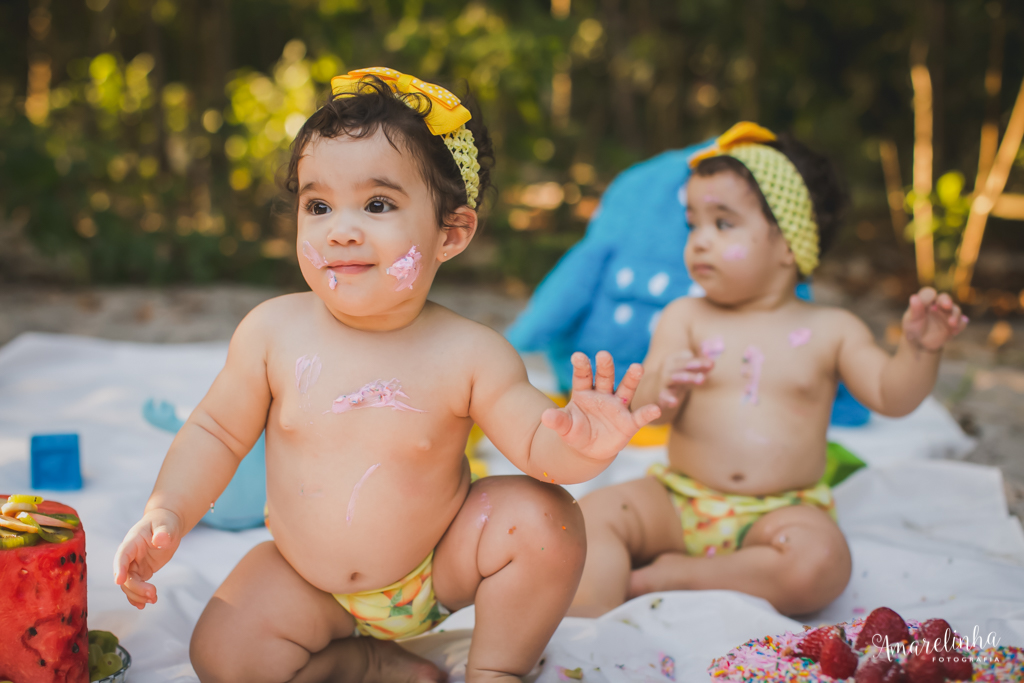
(276, 315)
(686, 307)
(831, 320)
(463, 334)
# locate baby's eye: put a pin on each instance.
(722, 224)
(318, 208)
(379, 205)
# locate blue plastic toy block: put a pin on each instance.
(55, 462)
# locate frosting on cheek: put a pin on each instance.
(736, 252)
(406, 269)
(313, 256)
(378, 394)
(332, 281)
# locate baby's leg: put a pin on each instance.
(796, 558)
(516, 550)
(627, 524)
(266, 623)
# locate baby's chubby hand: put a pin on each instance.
(932, 319)
(597, 422)
(146, 548)
(680, 372)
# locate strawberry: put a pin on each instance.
(873, 670)
(938, 634)
(925, 667)
(812, 642)
(837, 659)
(884, 623)
(958, 667)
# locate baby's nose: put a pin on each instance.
(345, 231)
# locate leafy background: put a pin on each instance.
(141, 140)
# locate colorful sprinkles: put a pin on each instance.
(773, 659)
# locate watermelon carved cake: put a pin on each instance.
(883, 648)
(43, 609)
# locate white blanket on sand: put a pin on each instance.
(930, 537)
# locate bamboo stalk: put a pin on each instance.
(993, 84)
(984, 202)
(923, 154)
(893, 187)
(1009, 206)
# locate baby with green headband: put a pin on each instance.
(746, 376)
(367, 393)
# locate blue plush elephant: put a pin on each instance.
(608, 291)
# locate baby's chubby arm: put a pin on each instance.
(201, 460)
(671, 370)
(896, 385)
(564, 446)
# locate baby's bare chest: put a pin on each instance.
(365, 394)
(794, 358)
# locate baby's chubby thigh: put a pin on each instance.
(264, 622)
(516, 550)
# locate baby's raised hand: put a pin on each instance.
(146, 547)
(597, 422)
(680, 372)
(932, 319)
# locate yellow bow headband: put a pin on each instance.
(781, 184)
(446, 116)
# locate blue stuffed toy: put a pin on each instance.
(608, 291)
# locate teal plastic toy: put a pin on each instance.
(241, 504)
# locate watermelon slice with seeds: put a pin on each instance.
(43, 633)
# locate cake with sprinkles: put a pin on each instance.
(882, 648)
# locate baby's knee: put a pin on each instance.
(554, 520)
(817, 572)
(226, 649)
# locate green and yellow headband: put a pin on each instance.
(446, 117)
(781, 184)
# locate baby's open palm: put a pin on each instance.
(597, 422)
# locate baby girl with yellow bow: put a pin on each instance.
(746, 376)
(367, 393)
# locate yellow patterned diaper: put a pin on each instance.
(406, 608)
(715, 522)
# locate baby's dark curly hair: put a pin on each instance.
(377, 107)
(828, 192)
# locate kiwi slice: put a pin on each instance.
(106, 641)
(19, 541)
(54, 535)
(65, 517)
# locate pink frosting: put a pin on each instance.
(754, 359)
(355, 492)
(799, 337)
(736, 252)
(406, 269)
(712, 347)
(313, 256)
(378, 394)
(307, 372)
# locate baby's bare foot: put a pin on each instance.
(389, 663)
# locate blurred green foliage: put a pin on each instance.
(141, 140)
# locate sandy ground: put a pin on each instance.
(981, 379)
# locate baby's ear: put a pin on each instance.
(459, 229)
